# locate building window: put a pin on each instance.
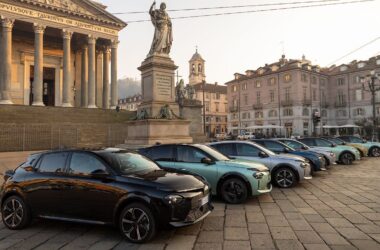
(287, 94)
(193, 68)
(258, 84)
(341, 98)
(271, 81)
(314, 92)
(361, 65)
(258, 98)
(245, 86)
(207, 106)
(303, 77)
(305, 112)
(340, 81)
(235, 102)
(314, 80)
(259, 114)
(273, 113)
(234, 88)
(343, 68)
(341, 113)
(378, 62)
(207, 95)
(245, 99)
(217, 96)
(271, 94)
(377, 96)
(304, 92)
(358, 95)
(217, 107)
(288, 112)
(287, 77)
(324, 113)
(359, 112)
(357, 79)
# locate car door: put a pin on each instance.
(190, 159)
(227, 149)
(275, 147)
(44, 188)
(162, 155)
(308, 141)
(251, 153)
(87, 196)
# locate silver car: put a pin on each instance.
(287, 170)
(330, 156)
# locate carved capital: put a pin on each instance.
(91, 39)
(67, 34)
(106, 50)
(114, 44)
(38, 28)
(7, 23)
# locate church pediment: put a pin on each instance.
(87, 9)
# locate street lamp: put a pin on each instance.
(370, 79)
(204, 106)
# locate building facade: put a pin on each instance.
(58, 53)
(130, 103)
(211, 95)
(287, 93)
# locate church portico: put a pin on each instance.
(58, 53)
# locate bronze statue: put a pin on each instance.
(163, 36)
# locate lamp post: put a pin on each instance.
(370, 79)
(204, 106)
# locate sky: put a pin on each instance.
(236, 43)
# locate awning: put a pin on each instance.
(265, 127)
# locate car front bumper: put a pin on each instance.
(194, 216)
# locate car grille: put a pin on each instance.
(196, 213)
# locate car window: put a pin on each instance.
(308, 141)
(53, 163)
(247, 150)
(225, 148)
(274, 146)
(293, 144)
(161, 153)
(356, 140)
(260, 143)
(189, 154)
(85, 164)
(322, 143)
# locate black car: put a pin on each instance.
(115, 186)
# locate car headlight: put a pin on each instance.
(332, 154)
(304, 164)
(174, 199)
(258, 175)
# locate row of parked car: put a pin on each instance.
(163, 184)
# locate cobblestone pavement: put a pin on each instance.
(338, 209)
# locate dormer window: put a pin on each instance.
(343, 68)
(361, 65)
(378, 62)
(274, 68)
(258, 84)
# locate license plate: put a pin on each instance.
(205, 200)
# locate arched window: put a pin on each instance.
(200, 70)
(273, 113)
(305, 112)
(193, 68)
(324, 113)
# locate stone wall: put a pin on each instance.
(39, 128)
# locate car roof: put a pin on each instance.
(104, 150)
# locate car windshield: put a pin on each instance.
(265, 150)
(336, 141)
(132, 163)
(218, 156)
(356, 140)
(323, 143)
(295, 144)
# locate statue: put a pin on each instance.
(167, 113)
(190, 91)
(180, 91)
(142, 114)
(163, 36)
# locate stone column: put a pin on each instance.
(114, 95)
(106, 78)
(84, 77)
(38, 65)
(91, 72)
(6, 61)
(67, 88)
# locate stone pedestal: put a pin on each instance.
(192, 110)
(152, 131)
(157, 81)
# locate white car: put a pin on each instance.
(246, 136)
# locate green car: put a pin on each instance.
(232, 180)
(373, 147)
(345, 155)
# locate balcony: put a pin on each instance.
(306, 102)
(287, 103)
(234, 109)
(340, 104)
(257, 106)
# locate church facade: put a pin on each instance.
(58, 53)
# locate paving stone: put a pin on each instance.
(151, 246)
(210, 237)
(277, 221)
(308, 237)
(236, 233)
(323, 228)
(232, 245)
(329, 214)
(339, 222)
(265, 198)
(369, 228)
(190, 230)
(293, 216)
(289, 245)
(352, 233)
(255, 217)
(372, 216)
(258, 228)
(236, 221)
(307, 210)
(183, 242)
(213, 224)
(375, 237)
(334, 239)
(208, 246)
(361, 208)
(316, 247)
(339, 247)
(366, 244)
(357, 218)
(300, 225)
(282, 233)
(262, 241)
(276, 211)
(314, 218)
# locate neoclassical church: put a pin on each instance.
(58, 53)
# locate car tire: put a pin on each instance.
(347, 158)
(285, 177)
(137, 223)
(15, 213)
(375, 152)
(234, 191)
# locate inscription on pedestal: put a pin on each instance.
(164, 85)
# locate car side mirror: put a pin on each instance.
(333, 145)
(207, 161)
(286, 150)
(100, 174)
(29, 168)
(364, 141)
(304, 148)
(263, 154)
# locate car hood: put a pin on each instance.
(305, 153)
(372, 143)
(169, 181)
(289, 156)
(343, 147)
(240, 163)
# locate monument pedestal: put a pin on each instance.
(192, 110)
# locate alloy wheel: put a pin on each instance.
(234, 191)
(375, 152)
(285, 178)
(13, 213)
(347, 158)
(136, 224)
